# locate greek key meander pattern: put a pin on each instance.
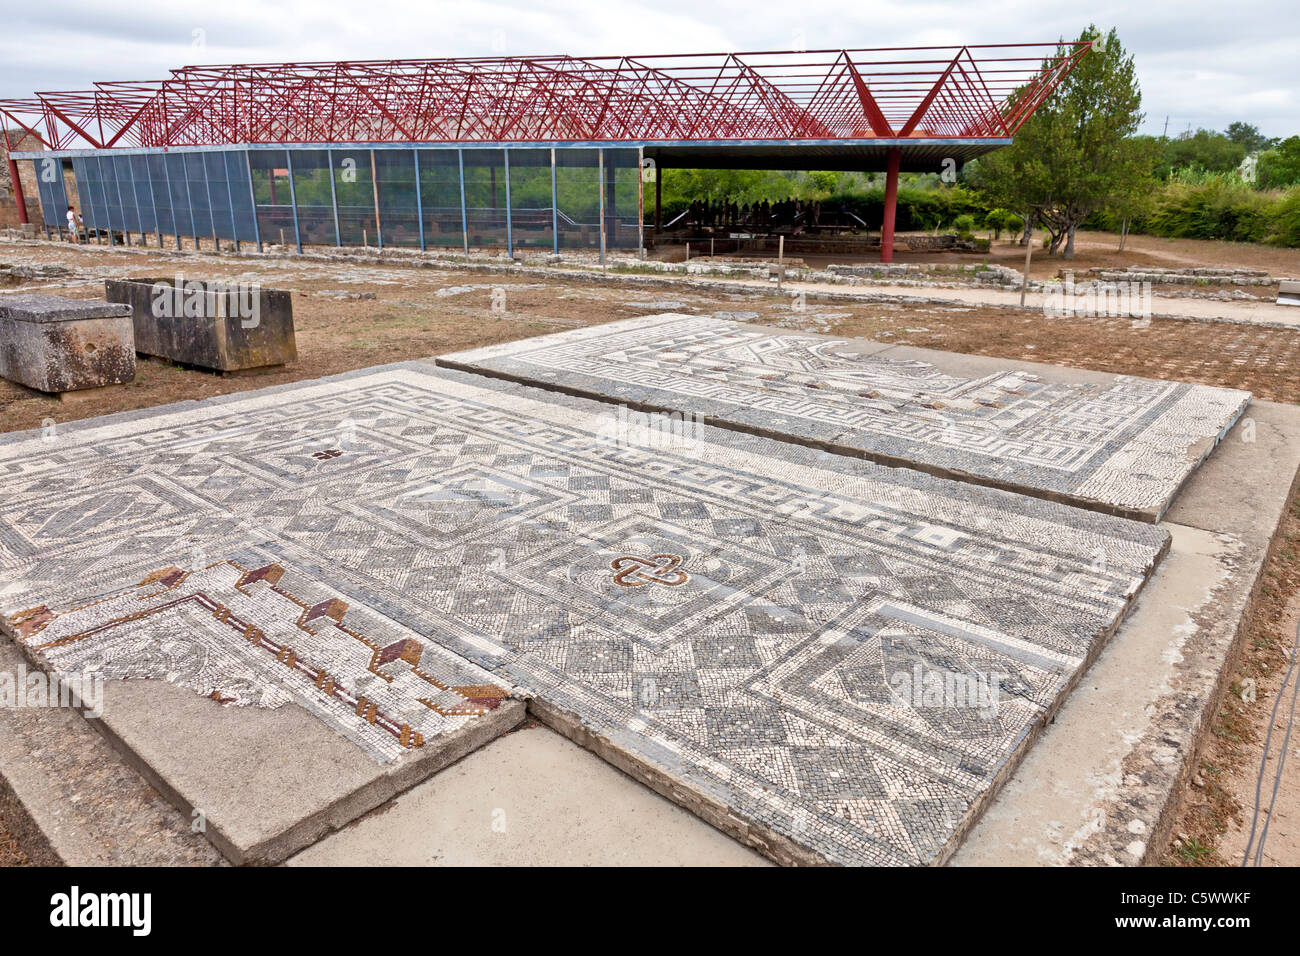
(1127, 445)
(468, 542)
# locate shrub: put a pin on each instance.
(1216, 207)
(964, 225)
(1286, 219)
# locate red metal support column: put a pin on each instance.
(18, 191)
(891, 205)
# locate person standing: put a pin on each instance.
(72, 225)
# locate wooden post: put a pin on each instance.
(374, 187)
(601, 174)
(1024, 285)
(659, 200)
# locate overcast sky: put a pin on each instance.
(1200, 62)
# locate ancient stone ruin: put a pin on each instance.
(226, 326)
(56, 344)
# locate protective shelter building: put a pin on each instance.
(520, 153)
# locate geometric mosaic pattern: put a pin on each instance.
(1124, 447)
(805, 638)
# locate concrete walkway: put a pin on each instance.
(1265, 313)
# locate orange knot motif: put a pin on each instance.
(631, 571)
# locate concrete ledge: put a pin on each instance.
(529, 798)
(71, 800)
(1101, 785)
(268, 782)
(773, 845)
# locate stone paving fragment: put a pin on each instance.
(1124, 447)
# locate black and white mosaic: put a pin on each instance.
(842, 653)
(1124, 447)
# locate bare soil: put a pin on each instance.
(349, 316)
(418, 313)
(11, 848)
(1217, 807)
(1101, 250)
(1093, 249)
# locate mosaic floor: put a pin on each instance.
(1124, 447)
(840, 653)
(245, 636)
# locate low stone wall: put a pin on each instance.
(54, 344)
(218, 325)
(945, 242)
(1189, 276)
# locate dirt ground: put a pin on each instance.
(11, 850)
(1094, 249)
(1101, 250)
(1213, 826)
(415, 313)
(350, 316)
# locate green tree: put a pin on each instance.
(1202, 151)
(1077, 154)
(1280, 166)
(1247, 136)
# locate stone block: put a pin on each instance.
(55, 344)
(208, 323)
(1288, 292)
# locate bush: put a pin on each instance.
(964, 225)
(1216, 207)
(1286, 219)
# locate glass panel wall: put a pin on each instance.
(54, 200)
(622, 199)
(162, 197)
(88, 192)
(128, 218)
(440, 197)
(97, 170)
(241, 196)
(113, 189)
(354, 186)
(530, 199)
(485, 198)
(577, 191)
(315, 197)
(179, 186)
(146, 220)
(214, 171)
(200, 202)
(271, 194)
(399, 220)
(356, 196)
